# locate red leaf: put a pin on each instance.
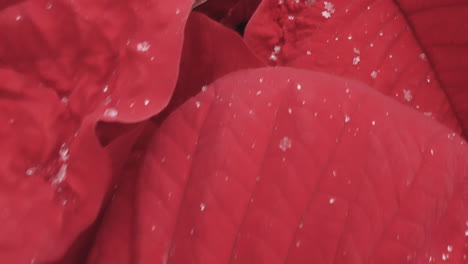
(210, 51)
(370, 41)
(260, 169)
(113, 58)
(232, 13)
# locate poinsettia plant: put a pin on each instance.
(234, 131)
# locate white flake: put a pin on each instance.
(347, 119)
(445, 256)
(31, 171)
(373, 74)
(356, 60)
(273, 57)
(147, 101)
(111, 112)
(105, 89)
(350, 37)
(326, 14)
(202, 207)
(204, 88)
(449, 248)
(332, 200)
(61, 175)
(299, 86)
(285, 143)
(291, 17)
(197, 104)
(143, 46)
(407, 95)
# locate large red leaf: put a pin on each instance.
(441, 27)
(53, 172)
(370, 41)
(64, 65)
(259, 168)
(113, 58)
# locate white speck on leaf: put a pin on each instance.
(407, 95)
(147, 101)
(204, 88)
(143, 46)
(259, 92)
(197, 104)
(299, 86)
(373, 74)
(449, 248)
(18, 18)
(373, 123)
(326, 14)
(202, 207)
(332, 200)
(111, 112)
(356, 60)
(285, 143)
(347, 119)
(290, 110)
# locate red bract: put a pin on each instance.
(141, 131)
(403, 50)
(259, 169)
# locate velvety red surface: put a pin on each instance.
(149, 131)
